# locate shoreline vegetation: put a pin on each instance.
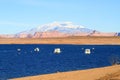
(67, 40)
(104, 73)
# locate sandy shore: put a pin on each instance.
(69, 40)
(105, 73)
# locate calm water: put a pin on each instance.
(27, 62)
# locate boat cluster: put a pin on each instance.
(58, 50)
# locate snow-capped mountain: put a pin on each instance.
(64, 27)
(60, 29)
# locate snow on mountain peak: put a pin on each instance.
(63, 27)
(60, 24)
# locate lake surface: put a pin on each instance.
(20, 60)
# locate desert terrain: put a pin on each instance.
(67, 40)
(105, 73)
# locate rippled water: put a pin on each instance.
(23, 60)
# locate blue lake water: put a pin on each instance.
(21, 60)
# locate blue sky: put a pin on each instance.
(20, 15)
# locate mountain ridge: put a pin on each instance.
(59, 29)
(55, 29)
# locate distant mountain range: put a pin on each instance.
(57, 29)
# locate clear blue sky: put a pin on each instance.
(20, 15)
